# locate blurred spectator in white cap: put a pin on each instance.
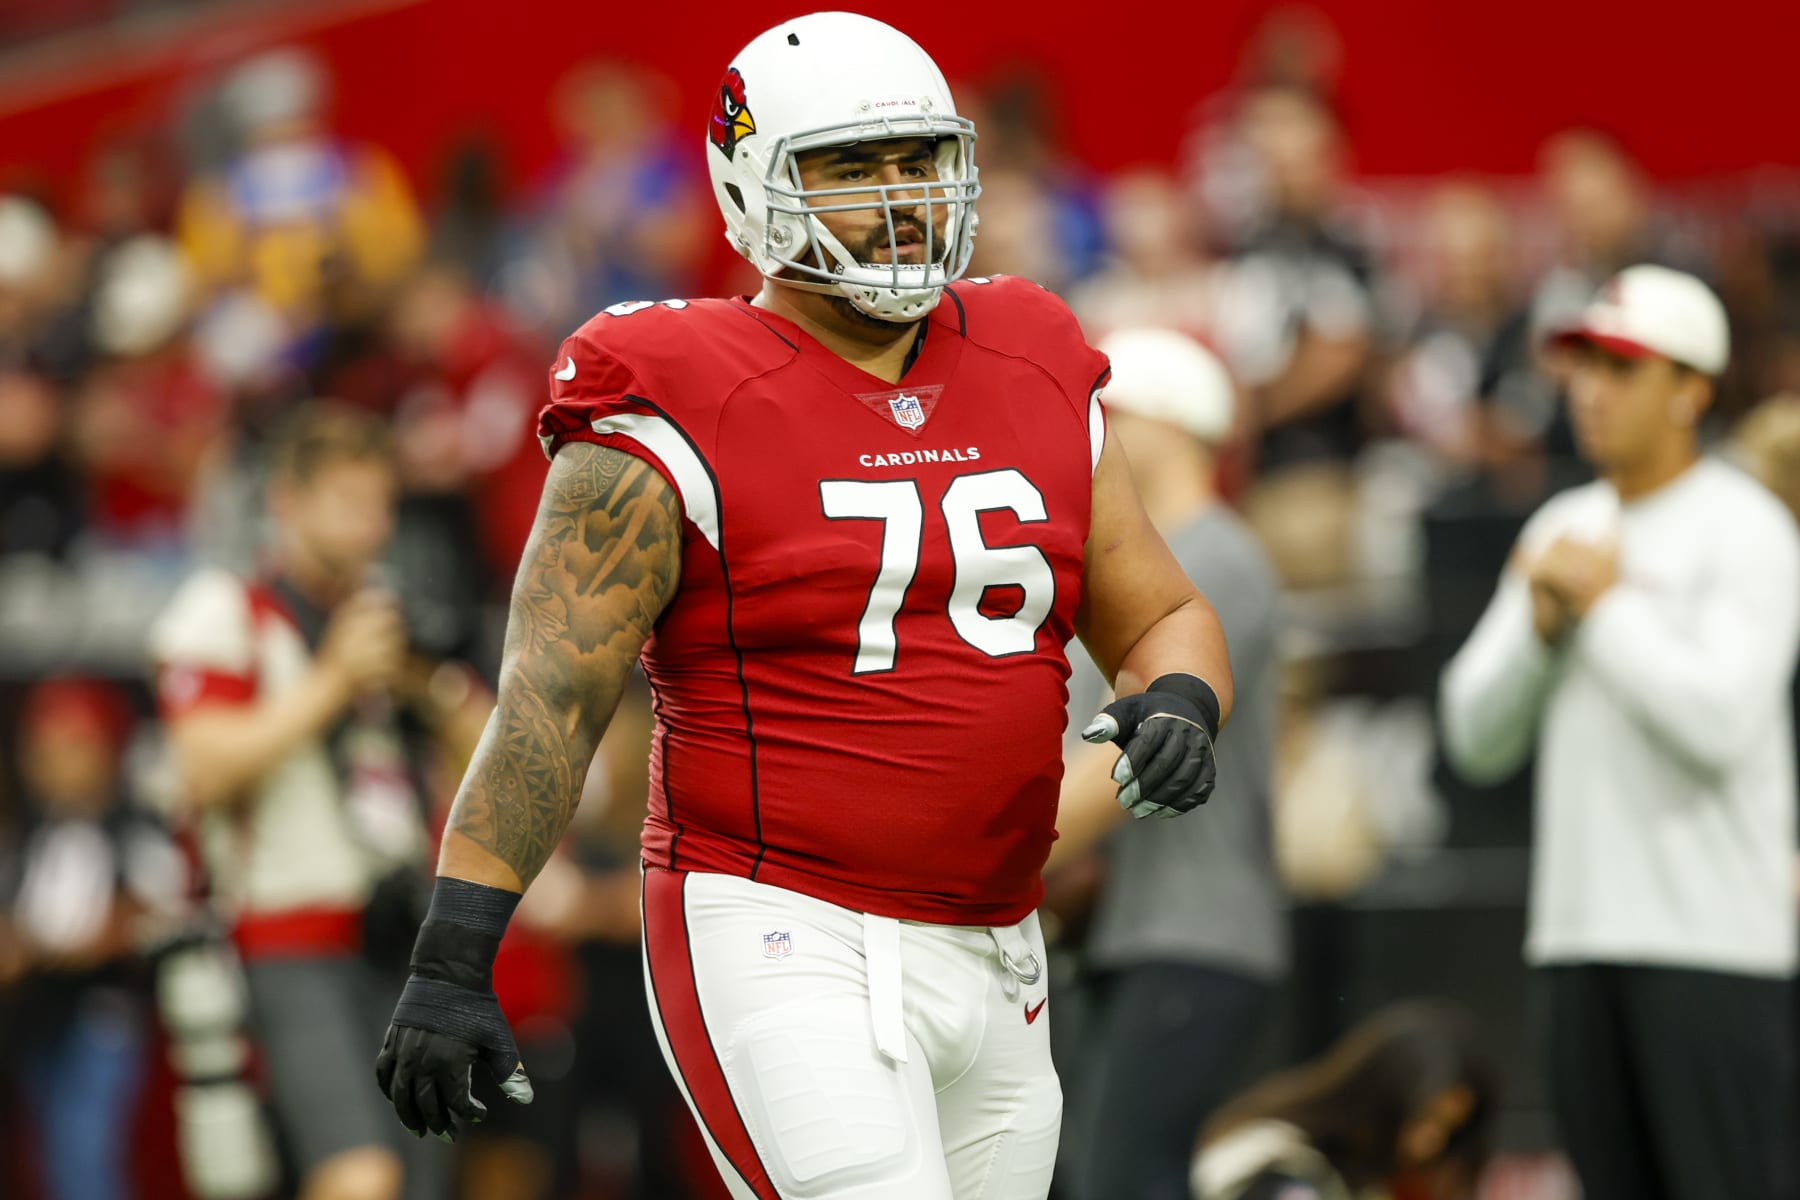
(28, 249)
(1161, 376)
(27, 240)
(309, 224)
(125, 190)
(1643, 641)
(143, 298)
(148, 416)
(1157, 272)
(1188, 939)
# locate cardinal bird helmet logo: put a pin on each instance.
(731, 119)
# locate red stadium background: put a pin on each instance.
(1427, 87)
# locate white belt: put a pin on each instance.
(881, 952)
(881, 949)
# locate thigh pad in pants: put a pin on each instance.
(828, 1112)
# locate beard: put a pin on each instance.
(864, 252)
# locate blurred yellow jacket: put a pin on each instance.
(280, 220)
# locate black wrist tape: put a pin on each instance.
(1196, 691)
(462, 933)
(441, 1007)
(476, 905)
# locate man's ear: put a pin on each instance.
(1693, 395)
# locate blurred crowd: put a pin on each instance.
(1398, 420)
(26, 21)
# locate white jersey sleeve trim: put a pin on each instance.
(206, 626)
(699, 495)
(1096, 430)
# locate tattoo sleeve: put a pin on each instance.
(602, 564)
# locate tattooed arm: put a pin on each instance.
(602, 564)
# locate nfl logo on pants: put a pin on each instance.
(777, 945)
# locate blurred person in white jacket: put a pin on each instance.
(1643, 640)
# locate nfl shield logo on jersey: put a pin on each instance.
(907, 410)
(777, 945)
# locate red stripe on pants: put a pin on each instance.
(677, 1001)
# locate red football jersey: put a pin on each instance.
(860, 682)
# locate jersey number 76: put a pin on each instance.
(978, 566)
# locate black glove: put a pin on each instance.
(1166, 733)
(448, 1017)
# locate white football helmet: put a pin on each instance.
(830, 79)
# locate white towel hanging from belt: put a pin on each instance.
(881, 949)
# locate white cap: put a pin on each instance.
(1648, 310)
(143, 296)
(241, 341)
(27, 241)
(280, 85)
(1168, 376)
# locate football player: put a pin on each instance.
(849, 524)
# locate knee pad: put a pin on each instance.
(827, 1112)
(1026, 1157)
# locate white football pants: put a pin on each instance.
(828, 1054)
